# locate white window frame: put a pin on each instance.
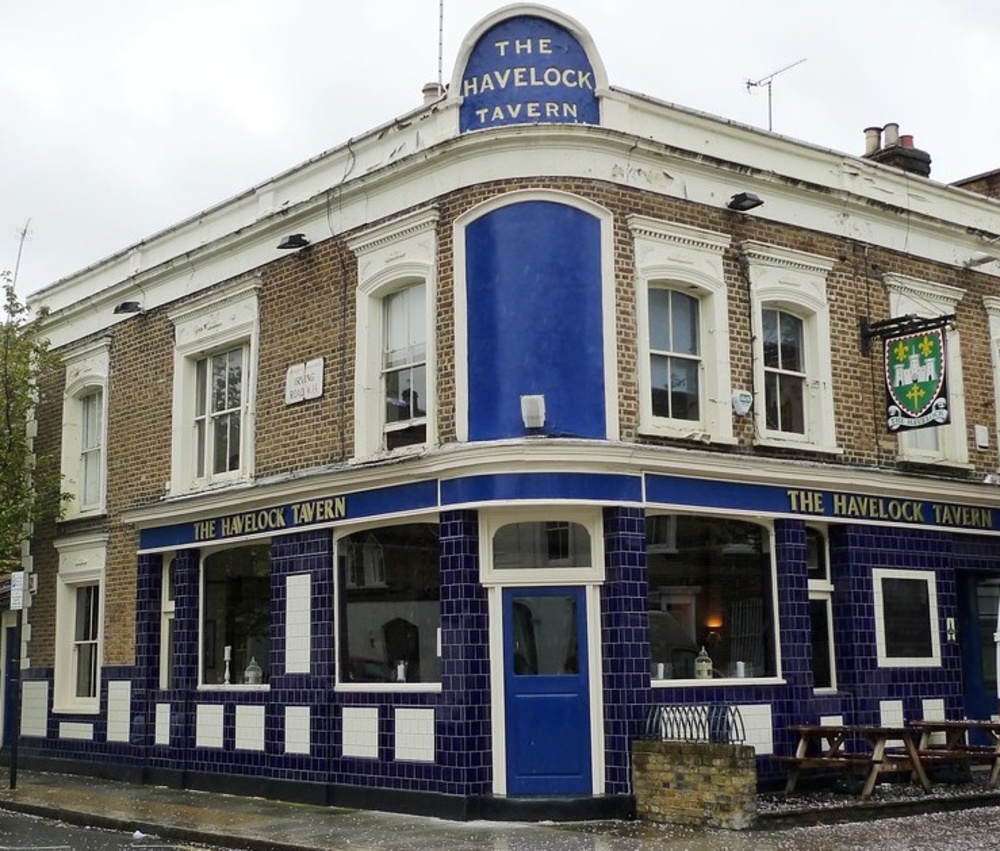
(391, 257)
(884, 660)
(992, 305)
(795, 282)
(377, 572)
(821, 589)
(87, 371)
(224, 320)
(167, 617)
(687, 260)
(235, 673)
(81, 564)
(928, 300)
(493, 519)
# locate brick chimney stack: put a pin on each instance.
(885, 145)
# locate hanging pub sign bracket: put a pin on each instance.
(898, 325)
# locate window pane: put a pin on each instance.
(907, 615)
(792, 411)
(770, 332)
(199, 436)
(389, 582)
(530, 545)
(219, 383)
(791, 343)
(772, 420)
(711, 587)
(659, 319)
(236, 614)
(234, 379)
(684, 389)
(659, 367)
(201, 388)
(220, 449)
(819, 623)
(684, 324)
(545, 636)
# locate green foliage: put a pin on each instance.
(30, 489)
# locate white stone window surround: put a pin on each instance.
(224, 319)
(391, 257)
(927, 299)
(992, 305)
(87, 370)
(795, 282)
(886, 661)
(688, 260)
(81, 563)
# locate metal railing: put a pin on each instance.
(693, 722)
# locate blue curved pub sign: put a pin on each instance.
(528, 70)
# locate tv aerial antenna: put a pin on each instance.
(767, 81)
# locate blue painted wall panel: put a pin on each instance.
(533, 275)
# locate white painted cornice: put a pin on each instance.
(644, 144)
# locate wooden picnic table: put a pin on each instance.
(956, 745)
(883, 748)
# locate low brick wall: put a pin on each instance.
(695, 783)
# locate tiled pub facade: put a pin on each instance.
(536, 260)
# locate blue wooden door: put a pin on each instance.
(546, 690)
(978, 597)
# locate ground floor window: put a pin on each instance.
(389, 611)
(820, 611)
(236, 616)
(710, 589)
(906, 614)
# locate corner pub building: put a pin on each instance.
(412, 477)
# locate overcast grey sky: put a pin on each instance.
(122, 117)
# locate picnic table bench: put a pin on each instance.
(957, 746)
(875, 750)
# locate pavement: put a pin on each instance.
(232, 821)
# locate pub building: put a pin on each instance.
(413, 477)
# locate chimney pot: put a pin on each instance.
(906, 141)
(432, 92)
(891, 132)
(873, 140)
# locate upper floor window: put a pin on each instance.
(683, 331)
(674, 354)
(84, 459)
(394, 365)
(946, 444)
(214, 392)
(219, 412)
(793, 375)
(992, 305)
(92, 448)
(404, 366)
(784, 371)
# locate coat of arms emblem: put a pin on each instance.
(915, 381)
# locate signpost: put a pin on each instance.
(17, 588)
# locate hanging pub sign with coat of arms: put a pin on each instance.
(915, 382)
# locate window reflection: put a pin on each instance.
(709, 586)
